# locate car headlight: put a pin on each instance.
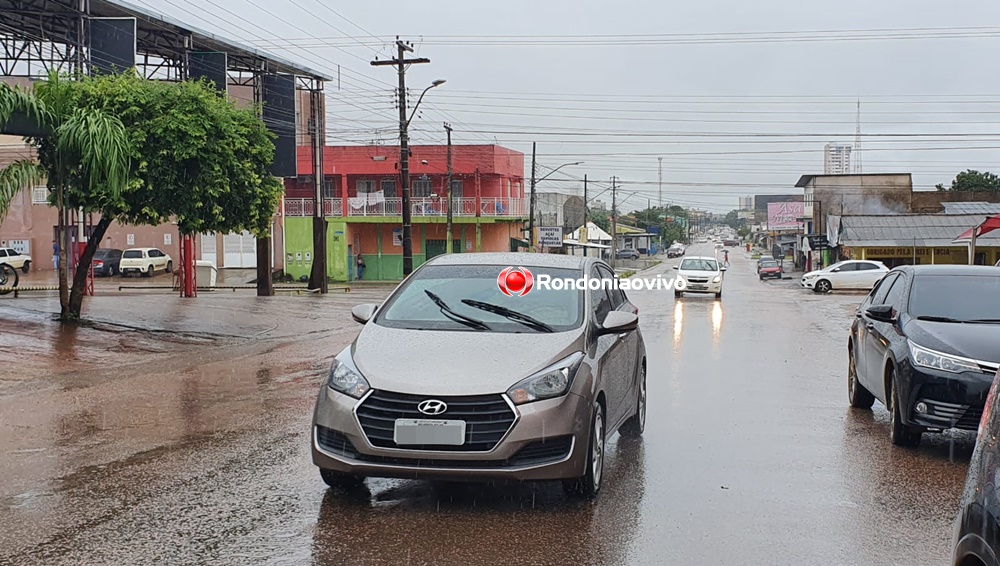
(717, 279)
(937, 360)
(345, 377)
(553, 381)
(808, 276)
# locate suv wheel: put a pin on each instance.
(859, 397)
(900, 434)
(337, 480)
(634, 427)
(590, 483)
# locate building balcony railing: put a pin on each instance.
(421, 206)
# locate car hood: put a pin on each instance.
(815, 273)
(437, 362)
(695, 273)
(977, 341)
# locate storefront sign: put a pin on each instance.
(550, 236)
(910, 252)
(785, 215)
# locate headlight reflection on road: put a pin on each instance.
(678, 321)
(716, 321)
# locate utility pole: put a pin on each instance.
(449, 245)
(584, 237)
(660, 203)
(531, 206)
(614, 221)
(401, 63)
(318, 274)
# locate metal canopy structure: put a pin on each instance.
(39, 36)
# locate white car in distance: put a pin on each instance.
(849, 274)
(699, 275)
(144, 261)
(15, 259)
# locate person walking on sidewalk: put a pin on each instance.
(725, 258)
(361, 266)
(55, 255)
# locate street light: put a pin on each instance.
(531, 212)
(404, 171)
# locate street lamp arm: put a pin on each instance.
(558, 168)
(421, 99)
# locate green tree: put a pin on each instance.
(972, 180)
(601, 218)
(80, 150)
(743, 232)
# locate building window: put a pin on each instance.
(456, 188)
(421, 188)
(328, 191)
(366, 186)
(389, 187)
(40, 195)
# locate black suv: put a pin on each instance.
(926, 342)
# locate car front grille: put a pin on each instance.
(697, 280)
(487, 419)
(539, 452)
(950, 415)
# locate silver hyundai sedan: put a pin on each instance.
(489, 366)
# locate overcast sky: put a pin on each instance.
(616, 84)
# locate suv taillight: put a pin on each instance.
(988, 408)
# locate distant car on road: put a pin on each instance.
(15, 259)
(627, 254)
(675, 251)
(980, 507)
(924, 343)
(769, 270)
(849, 274)
(107, 262)
(700, 275)
(731, 243)
(145, 261)
(427, 409)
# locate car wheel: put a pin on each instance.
(337, 480)
(26, 267)
(170, 266)
(718, 295)
(761, 277)
(111, 271)
(590, 483)
(859, 397)
(149, 271)
(899, 433)
(823, 286)
(677, 294)
(634, 427)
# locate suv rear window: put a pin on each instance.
(132, 254)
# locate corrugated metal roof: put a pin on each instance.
(987, 208)
(905, 230)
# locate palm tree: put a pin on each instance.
(80, 149)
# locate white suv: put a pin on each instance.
(699, 275)
(144, 261)
(15, 259)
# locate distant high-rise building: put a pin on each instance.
(837, 159)
(746, 203)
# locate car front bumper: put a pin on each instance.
(808, 283)
(952, 400)
(340, 444)
(770, 274)
(702, 288)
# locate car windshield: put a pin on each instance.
(958, 297)
(699, 265)
(101, 254)
(464, 289)
(132, 254)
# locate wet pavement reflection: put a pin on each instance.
(181, 437)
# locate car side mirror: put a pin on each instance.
(723, 268)
(835, 270)
(881, 313)
(618, 321)
(677, 267)
(363, 313)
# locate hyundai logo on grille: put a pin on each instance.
(432, 407)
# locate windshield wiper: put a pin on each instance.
(511, 314)
(939, 319)
(984, 321)
(457, 317)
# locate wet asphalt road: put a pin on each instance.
(121, 446)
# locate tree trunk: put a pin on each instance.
(265, 287)
(83, 270)
(63, 270)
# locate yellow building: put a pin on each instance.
(916, 239)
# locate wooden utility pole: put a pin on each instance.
(318, 277)
(531, 204)
(401, 63)
(614, 220)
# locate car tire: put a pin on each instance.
(149, 271)
(718, 295)
(900, 434)
(857, 394)
(338, 480)
(170, 266)
(111, 271)
(589, 485)
(761, 277)
(634, 427)
(26, 267)
(822, 286)
(678, 294)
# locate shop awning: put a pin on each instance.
(990, 224)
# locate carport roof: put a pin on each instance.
(912, 230)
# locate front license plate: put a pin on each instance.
(429, 431)
(698, 287)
